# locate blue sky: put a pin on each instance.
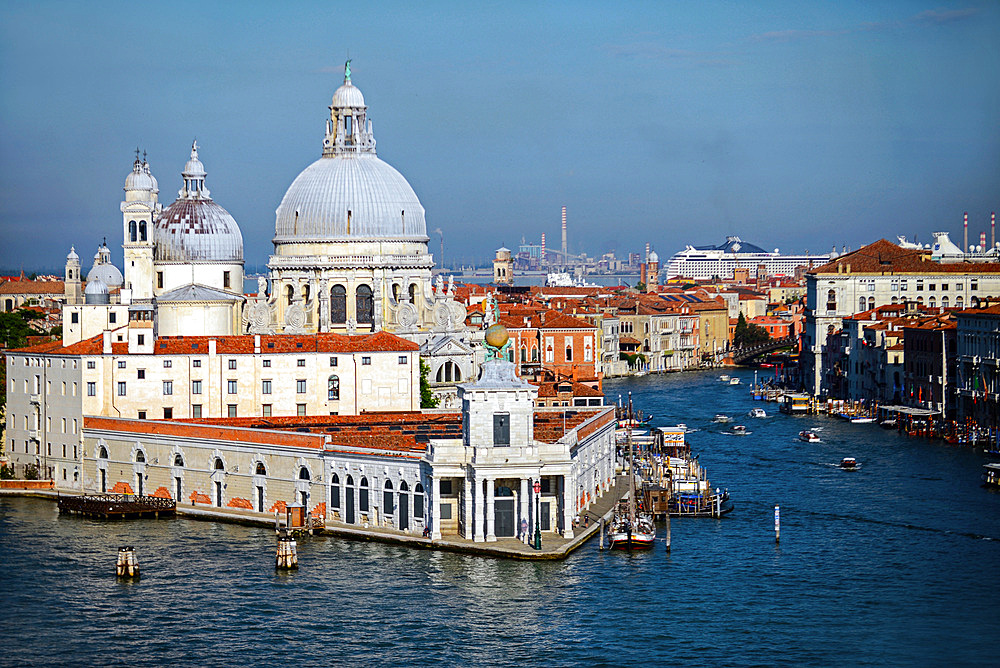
(791, 124)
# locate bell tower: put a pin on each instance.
(138, 211)
(73, 289)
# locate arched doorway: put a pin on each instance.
(349, 501)
(404, 506)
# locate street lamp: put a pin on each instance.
(538, 510)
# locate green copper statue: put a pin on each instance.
(347, 70)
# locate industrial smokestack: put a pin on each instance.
(564, 251)
(993, 229)
(982, 240)
(645, 258)
(965, 234)
(543, 247)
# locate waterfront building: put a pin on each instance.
(880, 274)
(977, 380)
(467, 473)
(930, 364)
(724, 260)
(52, 387)
(17, 294)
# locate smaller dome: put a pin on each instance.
(140, 178)
(193, 167)
(348, 95)
(96, 292)
(653, 257)
(72, 254)
(107, 274)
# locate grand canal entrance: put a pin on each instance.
(503, 513)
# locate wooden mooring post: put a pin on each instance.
(602, 533)
(668, 532)
(128, 565)
(287, 557)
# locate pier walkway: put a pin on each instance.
(554, 546)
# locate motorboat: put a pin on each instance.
(849, 464)
(889, 423)
(734, 381)
(862, 420)
(631, 528)
(991, 474)
(758, 413)
(739, 430)
(719, 417)
(809, 436)
(724, 378)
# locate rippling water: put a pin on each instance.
(893, 564)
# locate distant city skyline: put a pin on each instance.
(791, 125)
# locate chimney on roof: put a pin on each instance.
(107, 342)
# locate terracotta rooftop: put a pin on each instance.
(32, 288)
(551, 390)
(244, 344)
(885, 257)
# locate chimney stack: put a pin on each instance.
(965, 233)
(993, 229)
(564, 250)
(542, 259)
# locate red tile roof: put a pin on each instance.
(885, 257)
(32, 288)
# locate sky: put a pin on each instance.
(792, 124)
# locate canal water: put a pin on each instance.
(893, 564)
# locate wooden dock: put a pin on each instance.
(117, 506)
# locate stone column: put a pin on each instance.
(525, 501)
(569, 505)
(480, 511)
(491, 510)
(467, 509)
(436, 508)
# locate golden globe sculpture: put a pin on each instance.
(497, 336)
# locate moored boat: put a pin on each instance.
(862, 420)
(991, 474)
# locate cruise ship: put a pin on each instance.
(707, 262)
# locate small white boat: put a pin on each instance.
(758, 413)
(862, 420)
(734, 381)
(719, 417)
(724, 378)
(808, 436)
(850, 464)
(739, 430)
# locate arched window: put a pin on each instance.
(260, 469)
(524, 354)
(871, 302)
(303, 473)
(958, 302)
(364, 304)
(403, 487)
(104, 453)
(335, 491)
(418, 500)
(338, 304)
(920, 300)
(413, 293)
(305, 292)
(388, 505)
(895, 300)
(395, 292)
(363, 496)
(569, 351)
(831, 300)
(290, 294)
(219, 466)
(861, 303)
(333, 388)
(178, 460)
(534, 354)
(142, 231)
(140, 456)
(944, 302)
(133, 235)
(932, 302)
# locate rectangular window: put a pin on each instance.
(944, 286)
(920, 286)
(366, 361)
(168, 387)
(121, 388)
(121, 364)
(140, 374)
(300, 362)
(446, 488)
(74, 317)
(232, 364)
(402, 359)
(231, 386)
(958, 286)
(333, 361)
(64, 425)
(159, 280)
(266, 410)
(91, 389)
(140, 339)
(167, 364)
(196, 363)
(265, 387)
(931, 286)
(902, 285)
(225, 280)
(973, 285)
(300, 386)
(168, 413)
(266, 364)
(445, 511)
(196, 410)
(74, 431)
(91, 364)
(232, 410)
(112, 318)
(501, 429)
(300, 409)
(195, 387)
(141, 415)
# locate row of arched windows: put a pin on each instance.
(137, 231)
(364, 303)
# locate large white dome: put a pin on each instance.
(349, 196)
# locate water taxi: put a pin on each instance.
(739, 430)
(719, 417)
(809, 436)
(734, 381)
(724, 378)
(758, 413)
(849, 464)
